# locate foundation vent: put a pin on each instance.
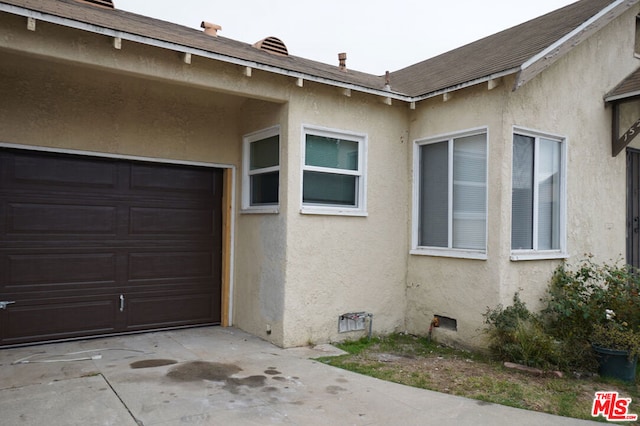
(272, 45)
(101, 3)
(448, 323)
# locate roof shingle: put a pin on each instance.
(497, 54)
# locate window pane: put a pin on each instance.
(548, 195)
(329, 188)
(434, 199)
(264, 153)
(469, 192)
(522, 193)
(264, 188)
(330, 152)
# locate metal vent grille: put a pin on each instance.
(103, 3)
(272, 45)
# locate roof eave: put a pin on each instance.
(622, 96)
(466, 84)
(84, 26)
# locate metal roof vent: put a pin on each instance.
(102, 3)
(272, 45)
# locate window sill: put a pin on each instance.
(541, 255)
(333, 211)
(456, 253)
(261, 210)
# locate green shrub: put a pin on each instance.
(517, 335)
(590, 303)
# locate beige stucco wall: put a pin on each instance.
(260, 241)
(146, 103)
(296, 273)
(565, 100)
(341, 264)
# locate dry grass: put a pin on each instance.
(417, 362)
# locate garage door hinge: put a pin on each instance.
(4, 303)
(121, 303)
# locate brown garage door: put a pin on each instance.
(92, 246)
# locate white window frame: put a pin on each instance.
(361, 174)
(535, 254)
(448, 251)
(247, 140)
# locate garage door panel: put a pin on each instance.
(70, 173)
(171, 180)
(51, 271)
(172, 265)
(65, 219)
(31, 321)
(157, 221)
(157, 311)
(78, 234)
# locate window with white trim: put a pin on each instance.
(537, 194)
(450, 195)
(333, 172)
(261, 171)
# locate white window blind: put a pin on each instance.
(536, 204)
(453, 193)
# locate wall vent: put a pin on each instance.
(448, 323)
(102, 3)
(272, 45)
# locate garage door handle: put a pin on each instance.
(3, 304)
(121, 303)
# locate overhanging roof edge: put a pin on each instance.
(79, 25)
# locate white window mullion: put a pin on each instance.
(330, 170)
(450, 190)
(265, 170)
(536, 157)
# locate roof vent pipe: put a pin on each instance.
(342, 60)
(210, 29)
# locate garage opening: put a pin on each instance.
(92, 246)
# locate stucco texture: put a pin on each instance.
(565, 100)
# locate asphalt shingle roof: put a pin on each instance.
(630, 86)
(120, 20)
(499, 53)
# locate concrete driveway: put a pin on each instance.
(217, 376)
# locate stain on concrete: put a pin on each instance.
(279, 378)
(334, 390)
(150, 363)
(272, 371)
(195, 418)
(232, 384)
(341, 380)
(270, 389)
(202, 370)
